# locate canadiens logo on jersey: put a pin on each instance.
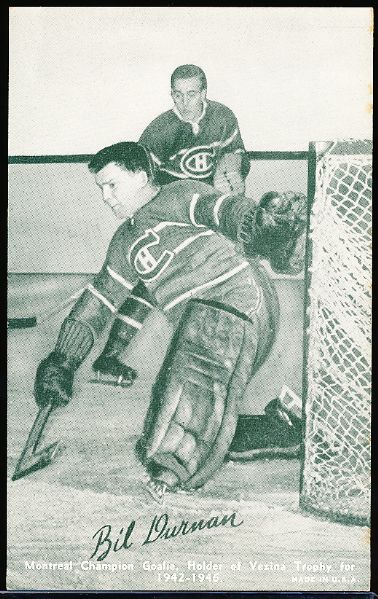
(147, 264)
(197, 162)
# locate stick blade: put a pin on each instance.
(36, 461)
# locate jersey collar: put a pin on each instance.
(194, 124)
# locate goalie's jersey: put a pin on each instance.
(180, 245)
(182, 150)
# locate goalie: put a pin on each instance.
(179, 242)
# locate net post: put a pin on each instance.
(311, 186)
(335, 468)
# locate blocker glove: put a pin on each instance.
(55, 374)
(54, 380)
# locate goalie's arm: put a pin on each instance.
(275, 229)
(101, 299)
(84, 324)
(225, 213)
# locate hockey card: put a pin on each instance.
(189, 259)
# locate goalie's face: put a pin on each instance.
(189, 97)
(121, 189)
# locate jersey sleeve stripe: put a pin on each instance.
(217, 206)
(230, 139)
(102, 298)
(142, 301)
(155, 158)
(167, 223)
(190, 240)
(258, 292)
(130, 321)
(119, 279)
(211, 283)
(176, 174)
(192, 208)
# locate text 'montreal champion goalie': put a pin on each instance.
(182, 242)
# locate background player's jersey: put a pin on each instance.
(180, 151)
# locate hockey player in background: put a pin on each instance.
(198, 138)
(179, 241)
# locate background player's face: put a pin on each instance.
(120, 189)
(188, 97)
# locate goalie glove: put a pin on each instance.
(55, 374)
(276, 230)
(228, 176)
(54, 380)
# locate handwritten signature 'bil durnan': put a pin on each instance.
(160, 529)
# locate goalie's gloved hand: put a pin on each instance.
(54, 380)
(109, 364)
(276, 229)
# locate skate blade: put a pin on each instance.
(156, 490)
(111, 381)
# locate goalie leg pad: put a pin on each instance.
(193, 411)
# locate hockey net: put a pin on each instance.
(335, 479)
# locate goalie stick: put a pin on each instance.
(32, 458)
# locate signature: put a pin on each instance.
(160, 528)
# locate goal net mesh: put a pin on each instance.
(335, 477)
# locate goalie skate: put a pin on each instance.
(111, 371)
(108, 379)
(157, 490)
(275, 434)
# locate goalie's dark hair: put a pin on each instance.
(129, 155)
(186, 71)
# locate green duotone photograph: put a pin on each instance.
(189, 299)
